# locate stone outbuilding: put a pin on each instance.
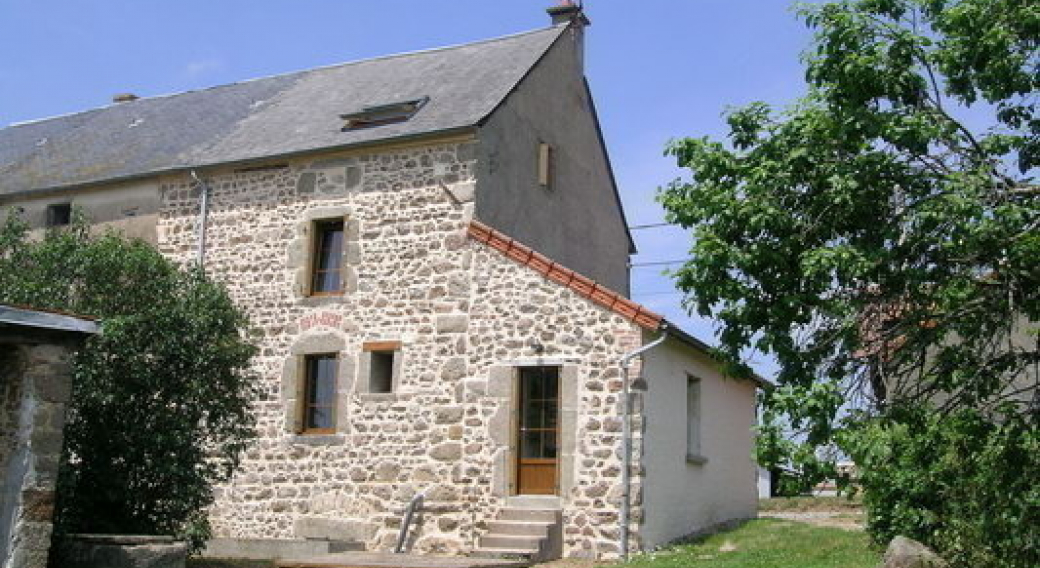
(434, 252)
(35, 384)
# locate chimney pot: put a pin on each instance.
(124, 97)
(567, 12)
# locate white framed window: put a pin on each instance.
(693, 420)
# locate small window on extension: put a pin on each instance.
(382, 359)
(59, 214)
(693, 418)
(383, 114)
(326, 277)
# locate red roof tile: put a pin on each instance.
(545, 266)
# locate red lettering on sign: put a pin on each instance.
(321, 319)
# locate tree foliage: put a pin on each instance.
(880, 238)
(161, 399)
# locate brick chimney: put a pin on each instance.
(567, 12)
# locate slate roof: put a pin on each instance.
(273, 116)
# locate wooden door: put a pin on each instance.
(538, 430)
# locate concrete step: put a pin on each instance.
(532, 515)
(503, 554)
(530, 544)
(390, 560)
(519, 528)
(534, 502)
(263, 548)
(337, 546)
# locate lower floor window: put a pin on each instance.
(319, 403)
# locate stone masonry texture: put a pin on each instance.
(36, 382)
(458, 309)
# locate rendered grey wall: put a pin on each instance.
(578, 222)
(131, 207)
(681, 497)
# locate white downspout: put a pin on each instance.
(626, 438)
(203, 214)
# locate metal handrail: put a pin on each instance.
(413, 505)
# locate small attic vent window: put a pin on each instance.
(59, 214)
(382, 114)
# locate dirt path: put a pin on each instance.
(852, 521)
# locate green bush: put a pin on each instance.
(161, 398)
(964, 483)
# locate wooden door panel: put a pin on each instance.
(537, 477)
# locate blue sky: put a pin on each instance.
(658, 69)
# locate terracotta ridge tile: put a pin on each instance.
(551, 270)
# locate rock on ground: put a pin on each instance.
(905, 552)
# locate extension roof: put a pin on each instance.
(269, 117)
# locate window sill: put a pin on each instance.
(693, 459)
(321, 300)
(378, 396)
(305, 439)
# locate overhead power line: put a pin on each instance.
(658, 263)
(649, 226)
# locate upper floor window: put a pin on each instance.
(545, 165)
(327, 271)
(319, 402)
(59, 214)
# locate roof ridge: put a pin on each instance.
(286, 75)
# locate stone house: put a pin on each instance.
(433, 249)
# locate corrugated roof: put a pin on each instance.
(274, 116)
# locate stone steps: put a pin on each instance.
(532, 515)
(512, 542)
(518, 528)
(523, 533)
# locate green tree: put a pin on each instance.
(161, 399)
(880, 239)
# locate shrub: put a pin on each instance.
(160, 407)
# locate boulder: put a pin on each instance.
(905, 552)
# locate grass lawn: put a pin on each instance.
(768, 543)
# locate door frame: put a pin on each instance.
(515, 432)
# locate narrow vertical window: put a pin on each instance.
(545, 157)
(383, 359)
(319, 403)
(693, 417)
(327, 276)
(59, 214)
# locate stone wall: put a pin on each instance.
(459, 310)
(30, 463)
(11, 389)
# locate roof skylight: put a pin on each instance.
(383, 114)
